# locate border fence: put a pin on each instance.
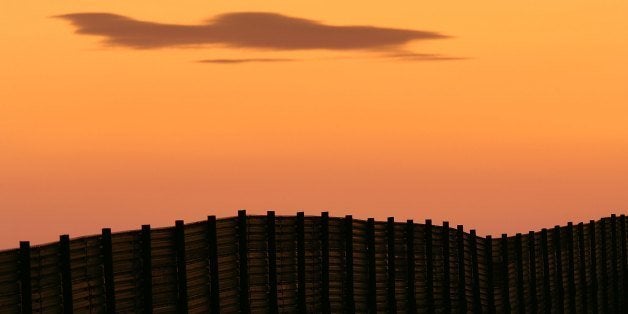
(321, 264)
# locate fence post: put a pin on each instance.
(446, 269)
(571, 269)
(624, 262)
(410, 292)
(272, 262)
(147, 276)
(348, 298)
(582, 268)
(489, 274)
(325, 263)
(66, 273)
(593, 266)
(558, 265)
(107, 253)
(603, 268)
(429, 265)
(477, 301)
(505, 274)
(372, 271)
(532, 271)
(547, 297)
(300, 229)
(521, 306)
(462, 285)
(25, 277)
(615, 280)
(243, 249)
(214, 291)
(390, 283)
(182, 281)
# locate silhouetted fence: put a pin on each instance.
(299, 264)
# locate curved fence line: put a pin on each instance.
(321, 264)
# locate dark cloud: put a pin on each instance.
(244, 30)
(236, 61)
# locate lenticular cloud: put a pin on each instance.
(268, 31)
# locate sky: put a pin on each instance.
(501, 116)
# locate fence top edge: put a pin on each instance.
(306, 217)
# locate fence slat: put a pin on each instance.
(604, 269)
(348, 300)
(521, 308)
(391, 297)
(462, 296)
(475, 276)
(505, 288)
(371, 300)
(410, 266)
(489, 274)
(571, 269)
(182, 283)
(532, 271)
(325, 306)
(24, 261)
(429, 268)
(212, 243)
(582, 266)
(300, 230)
(272, 262)
(558, 267)
(243, 250)
(615, 277)
(107, 253)
(593, 266)
(624, 263)
(446, 269)
(547, 297)
(147, 267)
(66, 275)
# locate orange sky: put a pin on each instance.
(525, 127)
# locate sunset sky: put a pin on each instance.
(502, 116)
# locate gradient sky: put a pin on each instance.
(501, 116)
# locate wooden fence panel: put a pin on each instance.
(400, 267)
(483, 273)
(336, 264)
(197, 265)
(45, 279)
(228, 264)
(88, 287)
(286, 238)
(380, 266)
(257, 256)
(463, 261)
(10, 287)
(127, 270)
(602, 249)
(499, 280)
(164, 271)
(420, 268)
(283, 264)
(313, 269)
(360, 267)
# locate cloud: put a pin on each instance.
(236, 61)
(411, 56)
(244, 30)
